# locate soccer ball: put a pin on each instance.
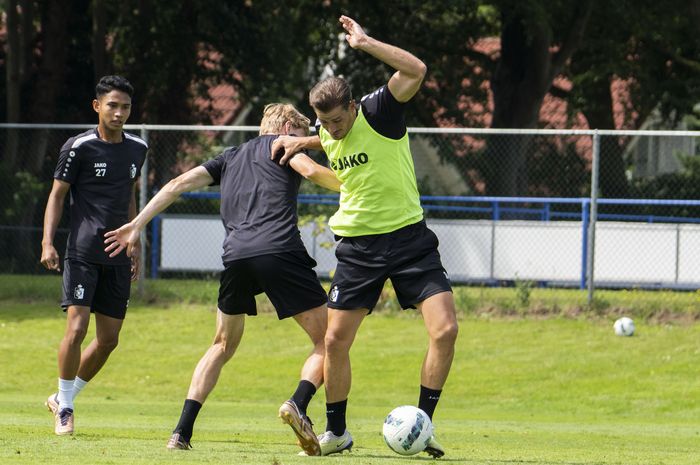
(407, 430)
(624, 326)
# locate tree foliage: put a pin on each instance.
(174, 52)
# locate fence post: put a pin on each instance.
(585, 216)
(595, 175)
(143, 200)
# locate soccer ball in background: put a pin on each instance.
(407, 430)
(624, 326)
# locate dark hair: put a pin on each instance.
(330, 93)
(109, 83)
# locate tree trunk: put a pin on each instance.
(519, 84)
(12, 82)
(99, 55)
(25, 39)
(599, 114)
(50, 80)
(522, 78)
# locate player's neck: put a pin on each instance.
(107, 135)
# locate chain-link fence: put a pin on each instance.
(507, 205)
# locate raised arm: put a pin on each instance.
(52, 216)
(285, 147)
(410, 71)
(127, 236)
(320, 175)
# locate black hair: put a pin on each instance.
(109, 83)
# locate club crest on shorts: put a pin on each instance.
(333, 295)
(79, 292)
(132, 171)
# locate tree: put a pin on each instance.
(654, 48)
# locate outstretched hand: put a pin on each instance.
(355, 36)
(126, 237)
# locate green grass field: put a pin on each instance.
(523, 390)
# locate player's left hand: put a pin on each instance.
(126, 237)
(355, 36)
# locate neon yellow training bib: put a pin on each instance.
(379, 192)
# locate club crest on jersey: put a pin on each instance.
(132, 171)
(349, 161)
(333, 295)
(79, 292)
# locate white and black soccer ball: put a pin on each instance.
(407, 430)
(624, 326)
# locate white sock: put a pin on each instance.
(65, 393)
(78, 386)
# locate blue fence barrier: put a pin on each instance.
(496, 209)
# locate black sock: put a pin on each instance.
(302, 396)
(335, 414)
(187, 418)
(428, 400)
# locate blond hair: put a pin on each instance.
(275, 115)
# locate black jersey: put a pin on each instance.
(258, 200)
(101, 175)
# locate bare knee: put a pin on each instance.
(225, 347)
(76, 332)
(335, 342)
(445, 335)
(108, 344)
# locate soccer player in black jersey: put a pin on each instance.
(99, 169)
(263, 252)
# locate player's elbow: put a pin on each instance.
(176, 186)
(304, 167)
(421, 69)
(312, 173)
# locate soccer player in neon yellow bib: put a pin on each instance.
(380, 227)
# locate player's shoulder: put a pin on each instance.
(260, 144)
(264, 139)
(80, 139)
(131, 138)
(381, 103)
(381, 96)
(376, 94)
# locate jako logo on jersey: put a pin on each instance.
(79, 292)
(333, 296)
(100, 165)
(132, 171)
(349, 161)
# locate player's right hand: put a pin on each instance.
(284, 148)
(50, 258)
(355, 35)
(127, 237)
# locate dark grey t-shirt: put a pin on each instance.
(102, 177)
(258, 200)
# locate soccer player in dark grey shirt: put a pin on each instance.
(263, 252)
(98, 168)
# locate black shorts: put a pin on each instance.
(288, 279)
(408, 256)
(103, 288)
